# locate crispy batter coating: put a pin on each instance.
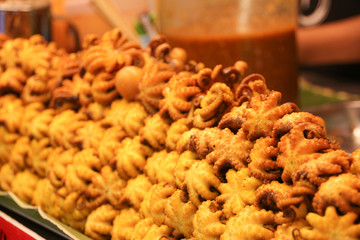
(152, 84)
(39, 127)
(213, 105)
(289, 121)
(24, 185)
(304, 142)
(19, 154)
(89, 135)
(11, 112)
(65, 136)
(94, 111)
(99, 223)
(103, 88)
(36, 90)
(184, 141)
(184, 162)
(160, 167)
(131, 157)
(134, 192)
(99, 58)
(76, 91)
(179, 214)
(263, 159)
(201, 183)
(110, 141)
(222, 148)
(331, 226)
(282, 199)
(174, 133)
(207, 221)
(7, 176)
(342, 192)
(153, 205)
(290, 230)
(58, 160)
(86, 166)
(250, 223)
(238, 191)
(30, 112)
(154, 132)
(9, 53)
(124, 223)
(178, 96)
(7, 141)
(146, 229)
(13, 79)
(105, 187)
(39, 152)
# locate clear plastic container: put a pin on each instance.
(261, 32)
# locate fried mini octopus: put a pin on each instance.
(222, 148)
(12, 80)
(305, 142)
(284, 200)
(103, 88)
(214, 104)
(237, 192)
(99, 223)
(124, 224)
(178, 96)
(152, 84)
(11, 112)
(160, 167)
(154, 132)
(331, 226)
(250, 223)
(179, 214)
(106, 187)
(342, 192)
(146, 229)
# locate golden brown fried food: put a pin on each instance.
(179, 214)
(36, 90)
(89, 135)
(64, 136)
(38, 155)
(201, 183)
(127, 81)
(11, 112)
(213, 105)
(331, 226)
(263, 159)
(283, 200)
(222, 148)
(99, 223)
(7, 176)
(58, 160)
(31, 111)
(178, 96)
(75, 91)
(103, 88)
(24, 185)
(160, 167)
(86, 166)
(99, 58)
(290, 230)
(153, 205)
(184, 162)
(110, 141)
(124, 224)
(304, 142)
(237, 192)
(19, 154)
(152, 84)
(207, 221)
(250, 223)
(134, 192)
(154, 132)
(130, 158)
(342, 192)
(174, 133)
(105, 188)
(146, 229)
(7, 141)
(355, 163)
(13, 79)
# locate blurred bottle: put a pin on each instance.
(261, 32)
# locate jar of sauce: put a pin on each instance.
(260, 32)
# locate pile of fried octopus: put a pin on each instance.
(123, 142)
